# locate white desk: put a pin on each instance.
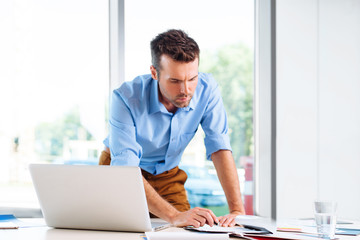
(46, 233)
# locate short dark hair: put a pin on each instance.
(176, 44)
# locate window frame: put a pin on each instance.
(265, 109)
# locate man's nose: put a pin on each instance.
(184, 88)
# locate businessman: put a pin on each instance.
(154, 117)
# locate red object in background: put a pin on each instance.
(247, 163)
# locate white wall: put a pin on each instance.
(318, 106)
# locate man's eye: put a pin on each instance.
(193, 79)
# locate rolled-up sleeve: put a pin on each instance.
(215, 125)
(124, 149)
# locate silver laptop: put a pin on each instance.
(93, 197)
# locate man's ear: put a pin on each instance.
(153, 72)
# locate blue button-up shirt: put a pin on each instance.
(143, 133)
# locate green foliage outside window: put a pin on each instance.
(50, 136)
(232, 67)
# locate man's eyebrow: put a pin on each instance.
(182, 80)
(194, 77)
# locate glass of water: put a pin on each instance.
(325, 218)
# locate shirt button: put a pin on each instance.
(173, 139)
(168, 156)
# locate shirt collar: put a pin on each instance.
(156, 106)
(154, 97)
(191, 106)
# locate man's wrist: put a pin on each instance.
(237, 212)
(171, 216)
(237, 208)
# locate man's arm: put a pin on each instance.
(227, 173)
(195, 217)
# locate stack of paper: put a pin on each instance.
(8, 225)
(7, 222)
(185, 236)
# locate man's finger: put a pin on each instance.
(222, 220)
(213, 216)
(206, 215)
(231, 222)
(200, 219)
(192, 222)
(228, 221)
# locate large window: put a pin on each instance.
(53, 88)
(224, 31)
(54, 79)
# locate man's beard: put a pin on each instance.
(182, 104)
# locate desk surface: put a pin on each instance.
(46, 233)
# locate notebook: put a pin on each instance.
(243, 229)
(93, 197)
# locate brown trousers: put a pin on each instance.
(169, 184)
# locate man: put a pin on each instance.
(154, 117)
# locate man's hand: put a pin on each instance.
(196, 217)
(229, 220)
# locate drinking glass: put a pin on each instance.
(325, 218)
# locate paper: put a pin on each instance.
(247, 217)
(7, 222)
(308, 227)
(289, 229)
(216, 229)
(347, 231)
(8, 225)
(253, 220)
(185, 236)
(9, 218)
(238, 230)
